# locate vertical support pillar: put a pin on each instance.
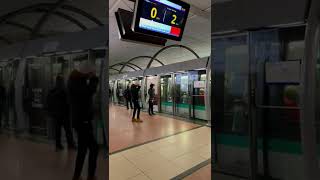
(104, 107)
(22, 122)
(208, 93)
(308, 87)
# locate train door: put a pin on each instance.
(111, 87)
(181, 95)
(198, 80)
(8, 111)
(231, 105)
(166, 98)
(120, 90)
(39, 82)
(276, 65)
(260, 108)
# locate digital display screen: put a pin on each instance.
(162, 18)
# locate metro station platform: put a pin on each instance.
(27, 160)
(159, 148)
(125, 134)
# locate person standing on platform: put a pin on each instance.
(127, 95)
(152, 94)
(82, 87)
(58, 108)
(135, 99)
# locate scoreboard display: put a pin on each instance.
(162, 18)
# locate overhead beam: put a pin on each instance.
(121, 64)
(139, 57)
(18, 12)
(169, 47)
(5, 40)
(83, 13)
(114, 69)
(45, 17)
(18, 25)
(64, 16)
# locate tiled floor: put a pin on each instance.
(26, 160)
(162, 159)
(202, 174)
(123, 133)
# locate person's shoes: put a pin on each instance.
(59, 148)
(134, 120)
(139, 120)
(153, 114)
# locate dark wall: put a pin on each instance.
(245, 14)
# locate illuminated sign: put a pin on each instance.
(161, 18)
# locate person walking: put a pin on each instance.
(58, 108)
(135, 99)
(151, 93)
(127, 95)
(82, 87)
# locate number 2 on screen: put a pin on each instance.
(174, 19)
(154, 12)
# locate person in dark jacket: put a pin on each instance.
(82, 87)
(152, 94)
(127, 95)
(58, 107)
(135, 99)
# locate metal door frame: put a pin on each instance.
(206, 94)
(252, 136)
(174, 95)
(171, 92)
(308, 112)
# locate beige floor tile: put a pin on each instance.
(148, 161)
(172, 152)
(114, 157)
(136, 152)
(205, 151)
(162, 159)
(189, 160)
(164, 172)
(123, 169)
(140, 177)
(158, 144)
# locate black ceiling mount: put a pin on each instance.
(124, 20)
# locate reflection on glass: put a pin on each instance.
(236, 88)
(166, 94)
(182, 95)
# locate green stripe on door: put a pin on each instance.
(274, 145)
(186, 106)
